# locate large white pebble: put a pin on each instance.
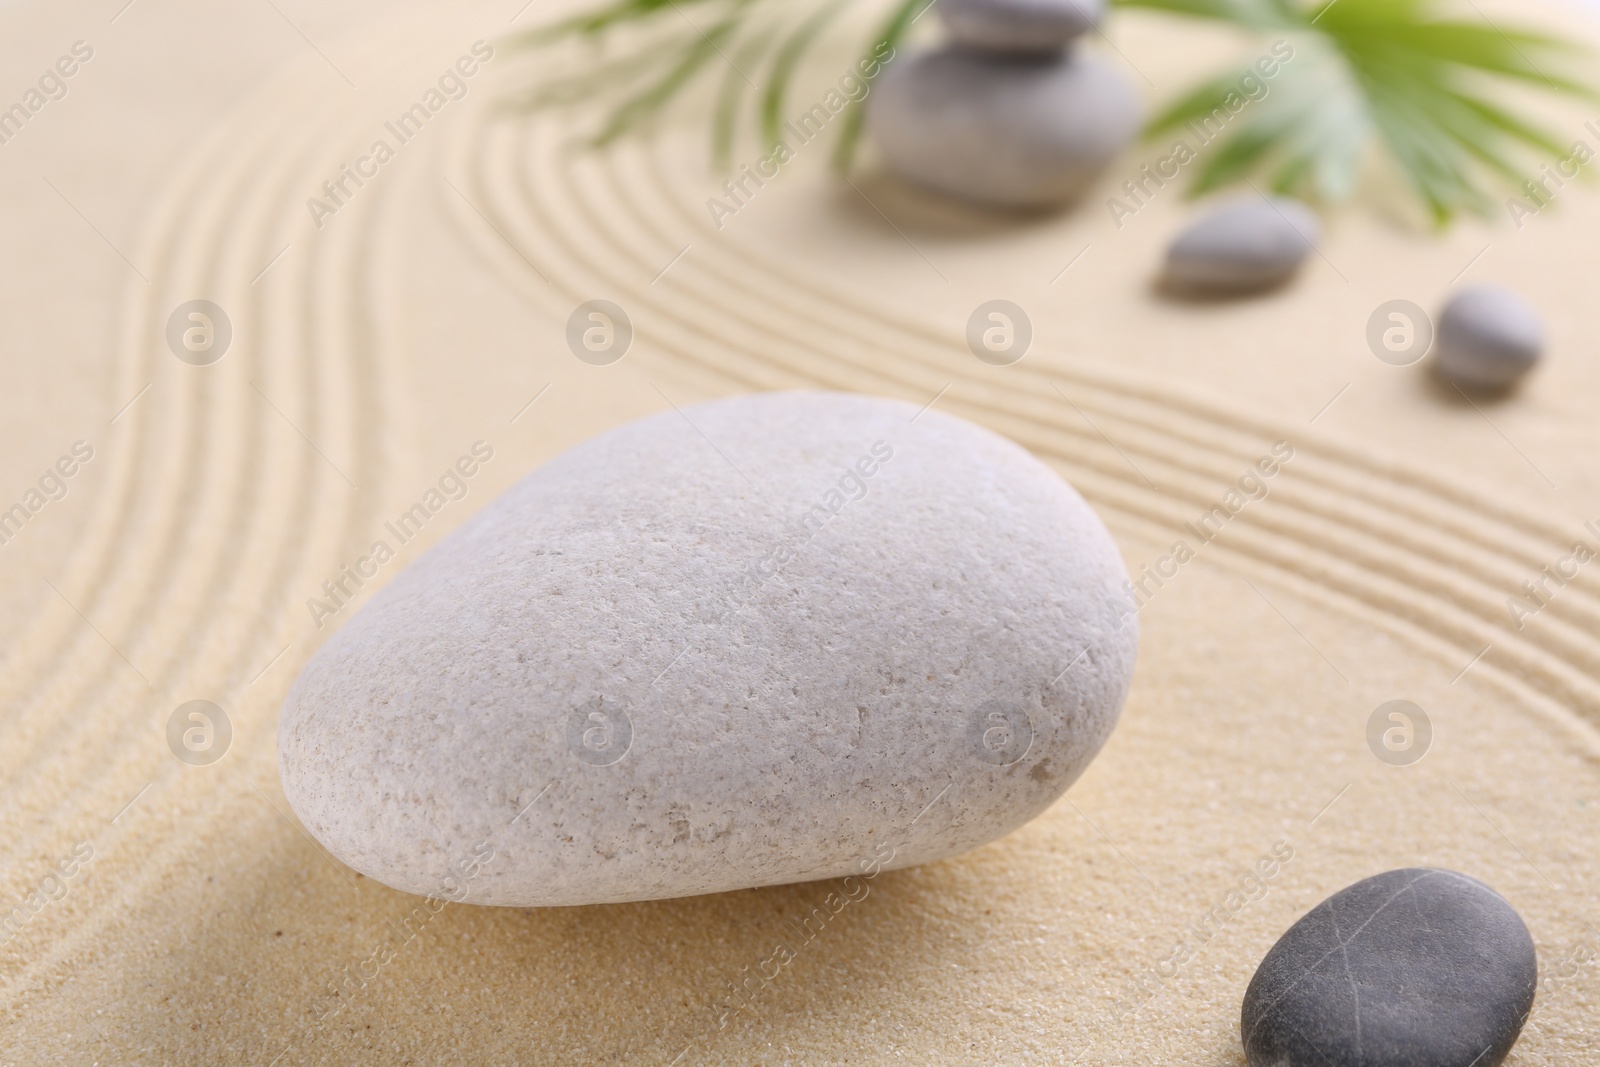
(774, 638)
(1009, 131)
(1489, 337)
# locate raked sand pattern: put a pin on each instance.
(200, 924)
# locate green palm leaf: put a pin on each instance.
(783, 68)
(889, 37)
(1405, 81)
(1397, 75)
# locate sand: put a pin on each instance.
(1119, 928)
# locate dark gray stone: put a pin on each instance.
(1245, 244)
(1411, 968)
(1019, 25)
(1012, 131)
(1489, 337)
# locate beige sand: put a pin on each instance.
(428, 313)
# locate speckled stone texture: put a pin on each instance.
(1410, 968)
(769, 639)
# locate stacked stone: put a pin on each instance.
(1009, 112)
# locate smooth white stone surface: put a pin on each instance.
(1489, 337)
(793, 674)
(1244, 244)
(1010, 131)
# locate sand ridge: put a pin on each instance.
(208, 928)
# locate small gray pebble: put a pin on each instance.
(1019, 25)
(1246, 244)
(1489, 337)
(1411, 968)
(1011, 131)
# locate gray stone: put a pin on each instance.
(1410, 968)
(1019, 25)
(1489, 337)
(774, 638)
(1010, 131)
(1246, 244)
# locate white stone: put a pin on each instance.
(1245, 244)
(774, 638)
(1019, 25)
(1010, 131)
(1489, 337)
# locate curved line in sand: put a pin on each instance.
(146, 550)
(1341, 506)
(1390, 541)
(338, 307)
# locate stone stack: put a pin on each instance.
(1010, 112)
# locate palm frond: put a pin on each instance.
(655, 95)
(724, 127)
(783, 68)
(886, 41)
(586, 84)
(1408, 81)
(597, 22)
(1252, 14)
(1404, 75)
